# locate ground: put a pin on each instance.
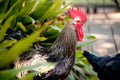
(106, 28)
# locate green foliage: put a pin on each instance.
(24, 18)
(18, 48)
(5, 26)
(92, 2)
(47, 9)
(11, 73)
(89, 40)
(34, 22)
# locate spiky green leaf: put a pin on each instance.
(6, 25)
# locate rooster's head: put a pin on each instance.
(78, 19)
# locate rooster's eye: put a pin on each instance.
(78, 21)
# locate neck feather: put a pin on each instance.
(66, 41)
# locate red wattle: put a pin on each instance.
(80, 35)
(79, 32)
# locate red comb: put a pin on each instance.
(73, 12)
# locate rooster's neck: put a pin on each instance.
(64, 45)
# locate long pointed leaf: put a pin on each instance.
(10, 11)
(25, 11)
(7, 43)
(6, 25)
(50, 11)
(38, 9)
(3, 6)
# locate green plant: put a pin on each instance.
(28, 20)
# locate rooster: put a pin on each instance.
(61, 52)
(108, 68)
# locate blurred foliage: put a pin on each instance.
(26, 24)
(91, 2)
